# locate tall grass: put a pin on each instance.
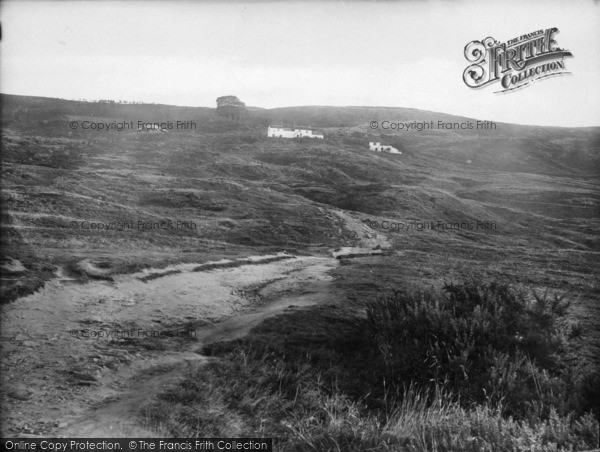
(447, 367)
(487, 342)
(442, 424)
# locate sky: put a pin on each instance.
(279, 54)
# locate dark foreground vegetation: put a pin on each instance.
(473, 367)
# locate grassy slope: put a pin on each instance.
(248, 194)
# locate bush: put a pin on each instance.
(271, 397)
(477, 367)
(485, 342)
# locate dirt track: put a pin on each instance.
(72, 346)
(82, 359)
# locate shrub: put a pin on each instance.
(486, 342)
(460, 370)
(270, 396)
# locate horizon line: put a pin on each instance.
(122, 102)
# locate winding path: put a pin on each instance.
(82, 359)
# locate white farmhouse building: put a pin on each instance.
(296, 132)
(376, 146)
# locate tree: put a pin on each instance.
(231, 107)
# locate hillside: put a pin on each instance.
(224, 190)
(245, 191)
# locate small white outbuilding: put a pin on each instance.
(376, 146)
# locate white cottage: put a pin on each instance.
(296, 132)
(376, 146)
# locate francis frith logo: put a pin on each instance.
(515, 63)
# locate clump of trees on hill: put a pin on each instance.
(231, 107)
